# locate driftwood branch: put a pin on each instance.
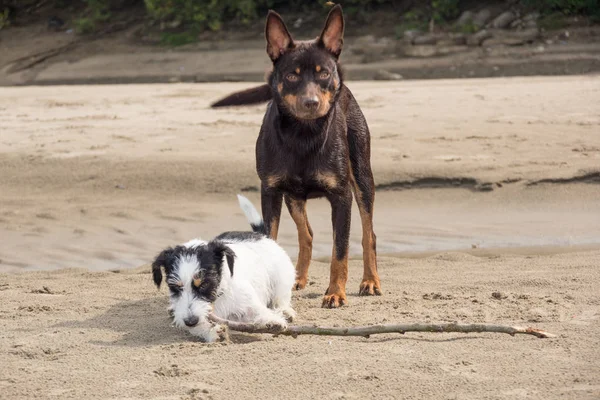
(366, 331)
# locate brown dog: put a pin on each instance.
(314, 142)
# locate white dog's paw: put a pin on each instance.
(211, 334)
(289, 314)
(276, 323)
(218, 333)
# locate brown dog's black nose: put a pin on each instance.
(191, 321)
(311, 103)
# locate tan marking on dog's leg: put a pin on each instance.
(297, 209)
(370, 284)
(335, 296)
(274, 228)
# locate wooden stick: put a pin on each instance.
(366, 331)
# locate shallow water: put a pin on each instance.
(406, 222)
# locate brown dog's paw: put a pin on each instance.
(334, 300)
(369, 288)
(300, 284)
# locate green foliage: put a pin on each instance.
(414, 20)
(97, 12)
(566, 7)
(204, 14)
(178, 38)
(4, 15)
(552, 22)
(467, 28)
(444, 10)
(182, 20)
(84, 26)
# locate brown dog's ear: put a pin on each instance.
(278, 38)
(332, 37)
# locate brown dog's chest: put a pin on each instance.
(308, 184)
(302, 161)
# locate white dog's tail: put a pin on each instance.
(252, 214)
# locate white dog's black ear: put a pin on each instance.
(230, 256)
(164, 260)
(332, 37)
(220, 250)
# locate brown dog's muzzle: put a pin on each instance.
(312, 103)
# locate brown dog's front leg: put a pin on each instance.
(364, 190)
(297, 209)
(341, 207)
(271, 201)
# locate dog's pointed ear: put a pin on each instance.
(332, 37)
(163, 260)
(278, 37)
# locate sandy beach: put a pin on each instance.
(486, 211)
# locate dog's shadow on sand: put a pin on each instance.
(143, 323)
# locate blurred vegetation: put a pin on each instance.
(4, 17)
(96, 13)
(182, 20)
(566, 7)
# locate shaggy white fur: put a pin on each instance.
(259, 290)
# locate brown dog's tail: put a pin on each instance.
(255, 95)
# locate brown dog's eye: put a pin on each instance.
(324, 75)
(292, 77)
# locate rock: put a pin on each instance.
(372, 49)
(425, 40)
(504, 20)
(517, 24)
(482, 18)
(430, 51)
(454, 39)
(465, 18)
(445, 50)
(411, 35)
(512, 38)
(383, 75)
(499, 295)
(174, 24)
(478, 38)
(420, 51)
(366, 44)
(527, 36)
(366, 40)
(532, 17)
(55, 23)
(531, 24)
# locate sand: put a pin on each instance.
(483, 186)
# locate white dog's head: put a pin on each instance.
(194, 272)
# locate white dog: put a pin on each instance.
(240, 276)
